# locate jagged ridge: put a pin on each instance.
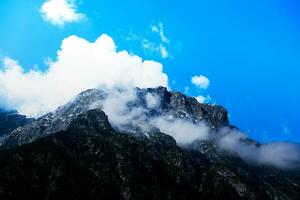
(172, 103)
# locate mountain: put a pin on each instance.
(172, 104)
(78, 152)
(10, 120)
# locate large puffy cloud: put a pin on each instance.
(59, 12)
(79, 65)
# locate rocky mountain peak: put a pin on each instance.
(183, 106)
(173, 104)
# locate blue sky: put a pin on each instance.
(249, 50)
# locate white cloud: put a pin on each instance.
(59, 12)
(278, 154)
(160, 30)
(183, 131)
(152, 100)
(79, 65)
(151, 46)
(203, 99)
(118, 112)
(163, 51)
(157, 47)
(200, 81)
(154, 47)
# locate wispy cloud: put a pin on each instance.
(278, 154)
(163, 51)
(154, 47)
(60, 12)
(150, 46)
(158, 45)
(160, 30)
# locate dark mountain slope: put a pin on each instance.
(89, 160)
(10, 120)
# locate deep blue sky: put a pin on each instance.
(249, 49)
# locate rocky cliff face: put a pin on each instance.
(76, 153)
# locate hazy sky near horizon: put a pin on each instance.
(244, 55)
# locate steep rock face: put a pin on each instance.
(10, 120)
(183, 106)
(89, 160)
(172, 104)
(55, 121)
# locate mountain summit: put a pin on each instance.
(140, 144)
(154, 102)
